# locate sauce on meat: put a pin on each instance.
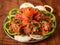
(30, 21)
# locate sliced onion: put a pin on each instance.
(41, 8)
(24, 5)
(22, 38)
(38, 37)
(49, 7)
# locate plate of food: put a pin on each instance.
(30, 23)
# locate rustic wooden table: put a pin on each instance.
(6, 5)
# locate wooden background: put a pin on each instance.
(6, 5)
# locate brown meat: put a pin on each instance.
(15, 28)
(45, 28)
(38, 15)
(48, 19)
(36, 23)
(27, 30)
(36, 27)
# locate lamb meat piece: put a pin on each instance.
(36, 11)
(36, 23)
(45, 28)
(27, 30)
(48, 19)
(44, 32)
(38, 15)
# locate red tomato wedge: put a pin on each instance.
(28, 11)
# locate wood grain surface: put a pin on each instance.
(6, 5)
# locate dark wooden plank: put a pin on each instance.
(57, 35)
(6, 6)
(1, 22)
(8, 41)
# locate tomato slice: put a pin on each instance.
(22, 17)
(28, 11)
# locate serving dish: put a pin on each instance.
(27, 37)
